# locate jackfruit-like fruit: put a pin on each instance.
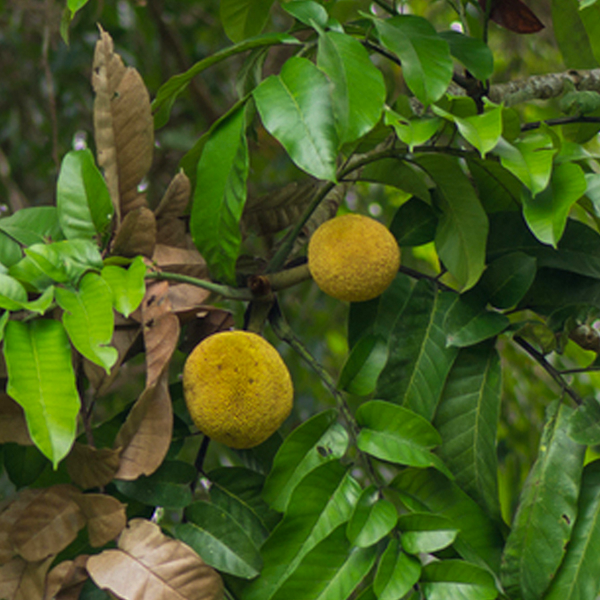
(237, 388)
(353, 258)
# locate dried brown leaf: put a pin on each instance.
(123, 125)
(65, 580)
(22, 580)
(208, 321)
(150, 566)
(136, 235)
(186, 300)
(9, 515)
(13, 426)
(278, 210)
(187, 261)
(176, 198)
(105, 516)
(50, 523)
(91, 467)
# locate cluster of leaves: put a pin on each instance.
(398, 498)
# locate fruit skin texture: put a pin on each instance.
(237, 388)
(353, 258)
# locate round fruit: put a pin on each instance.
(353, 258)
(237, 388)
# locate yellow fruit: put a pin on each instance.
(353, 258)
(237, 388)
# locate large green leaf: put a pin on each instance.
(419, 359)
(373, 518)
(319, 440)
(12, 293)
(220, 195)
(446, 579)
(89, 320)
(425, 56)
(498, 188)
(219, 539)
(571, 35)
(296, 108)
(584, 423)
(321, 502)
(577, 578)
(309, 12)
(546, 512)
(243, 19)
(471, 52)
(395, 434)
(358, 88)
(479, 541)
(82, 198)
(35, 225)
(396, 573)
(425, 532)
(363, 365)
(127, 285)
(414, 223)
(462, 231)
(41, 379)
(546, 214)
(413, 132)
(168, 92)
(400, 174)
(467, 420)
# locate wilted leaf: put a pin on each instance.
(21, 580)
(8, 517)
(171, 229)
(105, 517)
(149, 565)
(187, 298)
(187, 261)
(513, 15)
(65, 580)
(91, 467)
(123, 126)
(49, 524)
(13, 426)
(136, 235)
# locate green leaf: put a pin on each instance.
(23, 464)
(419, 359)
(42, 381)
(12, 295)
(168, 92)
(584, 423)
(547, 213)
(127, 285)
(308, 12)
(296, 108)
(590, 17)
(425, 56)
(88, 319)
(321, 502)
(457, 579)
(468, 322)
(471, 52)
(413, 132)
(479, 541)
(529, 159)
(318, 440)
(10, 251)
(546, 512)
(358, 88)
(332, 569)
(507, 279)
(243, 19)
(425, 533)
(400, 174)
(220, 195)
(42, 303)
(414, 223)
(395, 434)
(82, 198)
(498, 188)
(462, 231)
(219, 540)
(467, 420)
(36, 225)
(364, 364)
(3, 321)
(373, 518)
(396, 573)
(571, 35)
(577, 577)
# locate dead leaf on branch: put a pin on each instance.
(187, 261)
(91, 467)
(149, 565)
(136, 234)
(13, 426)
(171, 229)
(23, 580)
(105, 517)
(65, 580)
(123, 126)
(208, 321)
(186, 300)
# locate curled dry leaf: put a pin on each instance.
(105, 516)
(278, 210)
(48, 523)
(8, 517)
(136, 235)
(170, 228)
(13, 426)
(123, 126)
(186, 300)
(91, 467)
(149, 565)
(187, 261)
(23, 580)
(65, 580)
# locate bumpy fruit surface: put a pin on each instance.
(237, 388)
(353, 258)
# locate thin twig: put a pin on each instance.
(560, 121)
